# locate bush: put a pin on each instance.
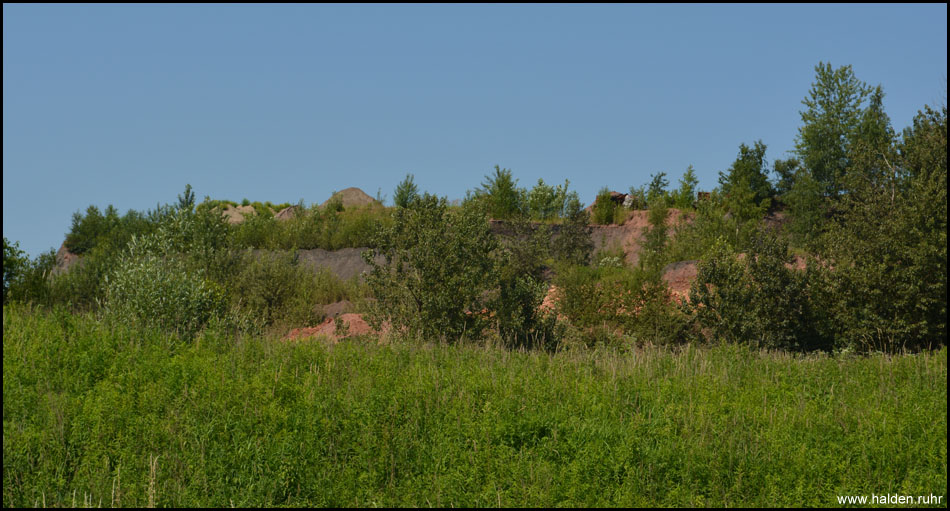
(520, 263)
(619, 299)
(438, 269)
(14, 264)
(572, 244)
(27, 280)
(504, 200)
(605, 210)
(758, 300)
(406, 192)
(153, 287)
(276, 290)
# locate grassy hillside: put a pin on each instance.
(98, 414)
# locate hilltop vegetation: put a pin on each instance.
(865, 216)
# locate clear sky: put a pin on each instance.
(125, 104)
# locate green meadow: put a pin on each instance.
(101, 414)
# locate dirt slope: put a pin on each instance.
(352, 197)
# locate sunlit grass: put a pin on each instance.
(95, 413)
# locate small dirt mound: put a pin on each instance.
(354, 325)
(352, 197)
(287, 213)
(235, 215)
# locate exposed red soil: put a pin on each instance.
(630, 235)
(355, 324)
(679, 277)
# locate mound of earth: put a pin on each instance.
(354, 325)
(235, 215)
(287, 213)
(352, 197)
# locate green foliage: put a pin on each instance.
(572, 244)
(605, 210)
(406, 192)
(639, 200)
(611, 298)
(438, 268)
(889, 245)
(276, 290)
(748, 175)
(96, 229)
(316, 227)
(545, 202)
(503, 197)
(520, 262)
(187, 201)
(685, 197)
(263, 422)
(806, 209)
(15, 262)
(785, 172)
(154, 287)
(757, 299)
(655, 237)
(26, 280)
(831, 121)
(656, 191)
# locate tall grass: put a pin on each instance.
(107, 414)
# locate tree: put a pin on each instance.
(757, 299)
(657, 188)
(543, 201)
(188, 201)
(831, 120)
(438, 268)
(889, 244)
(684, 197)
(604, 209)
(406, 192)
(14, 262)
(785, 171)
(573, 244)
(504, 198)
(806, 208)
(749, 172)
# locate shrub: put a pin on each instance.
(519, 264)
(406, 192)
(503, 197)
(153, 287)
(14, 263)
(27, 280)
(605, 209)
(438, 269)
(758, 300)
(572, 244)
(275, 289)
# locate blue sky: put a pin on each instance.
(125, 104)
